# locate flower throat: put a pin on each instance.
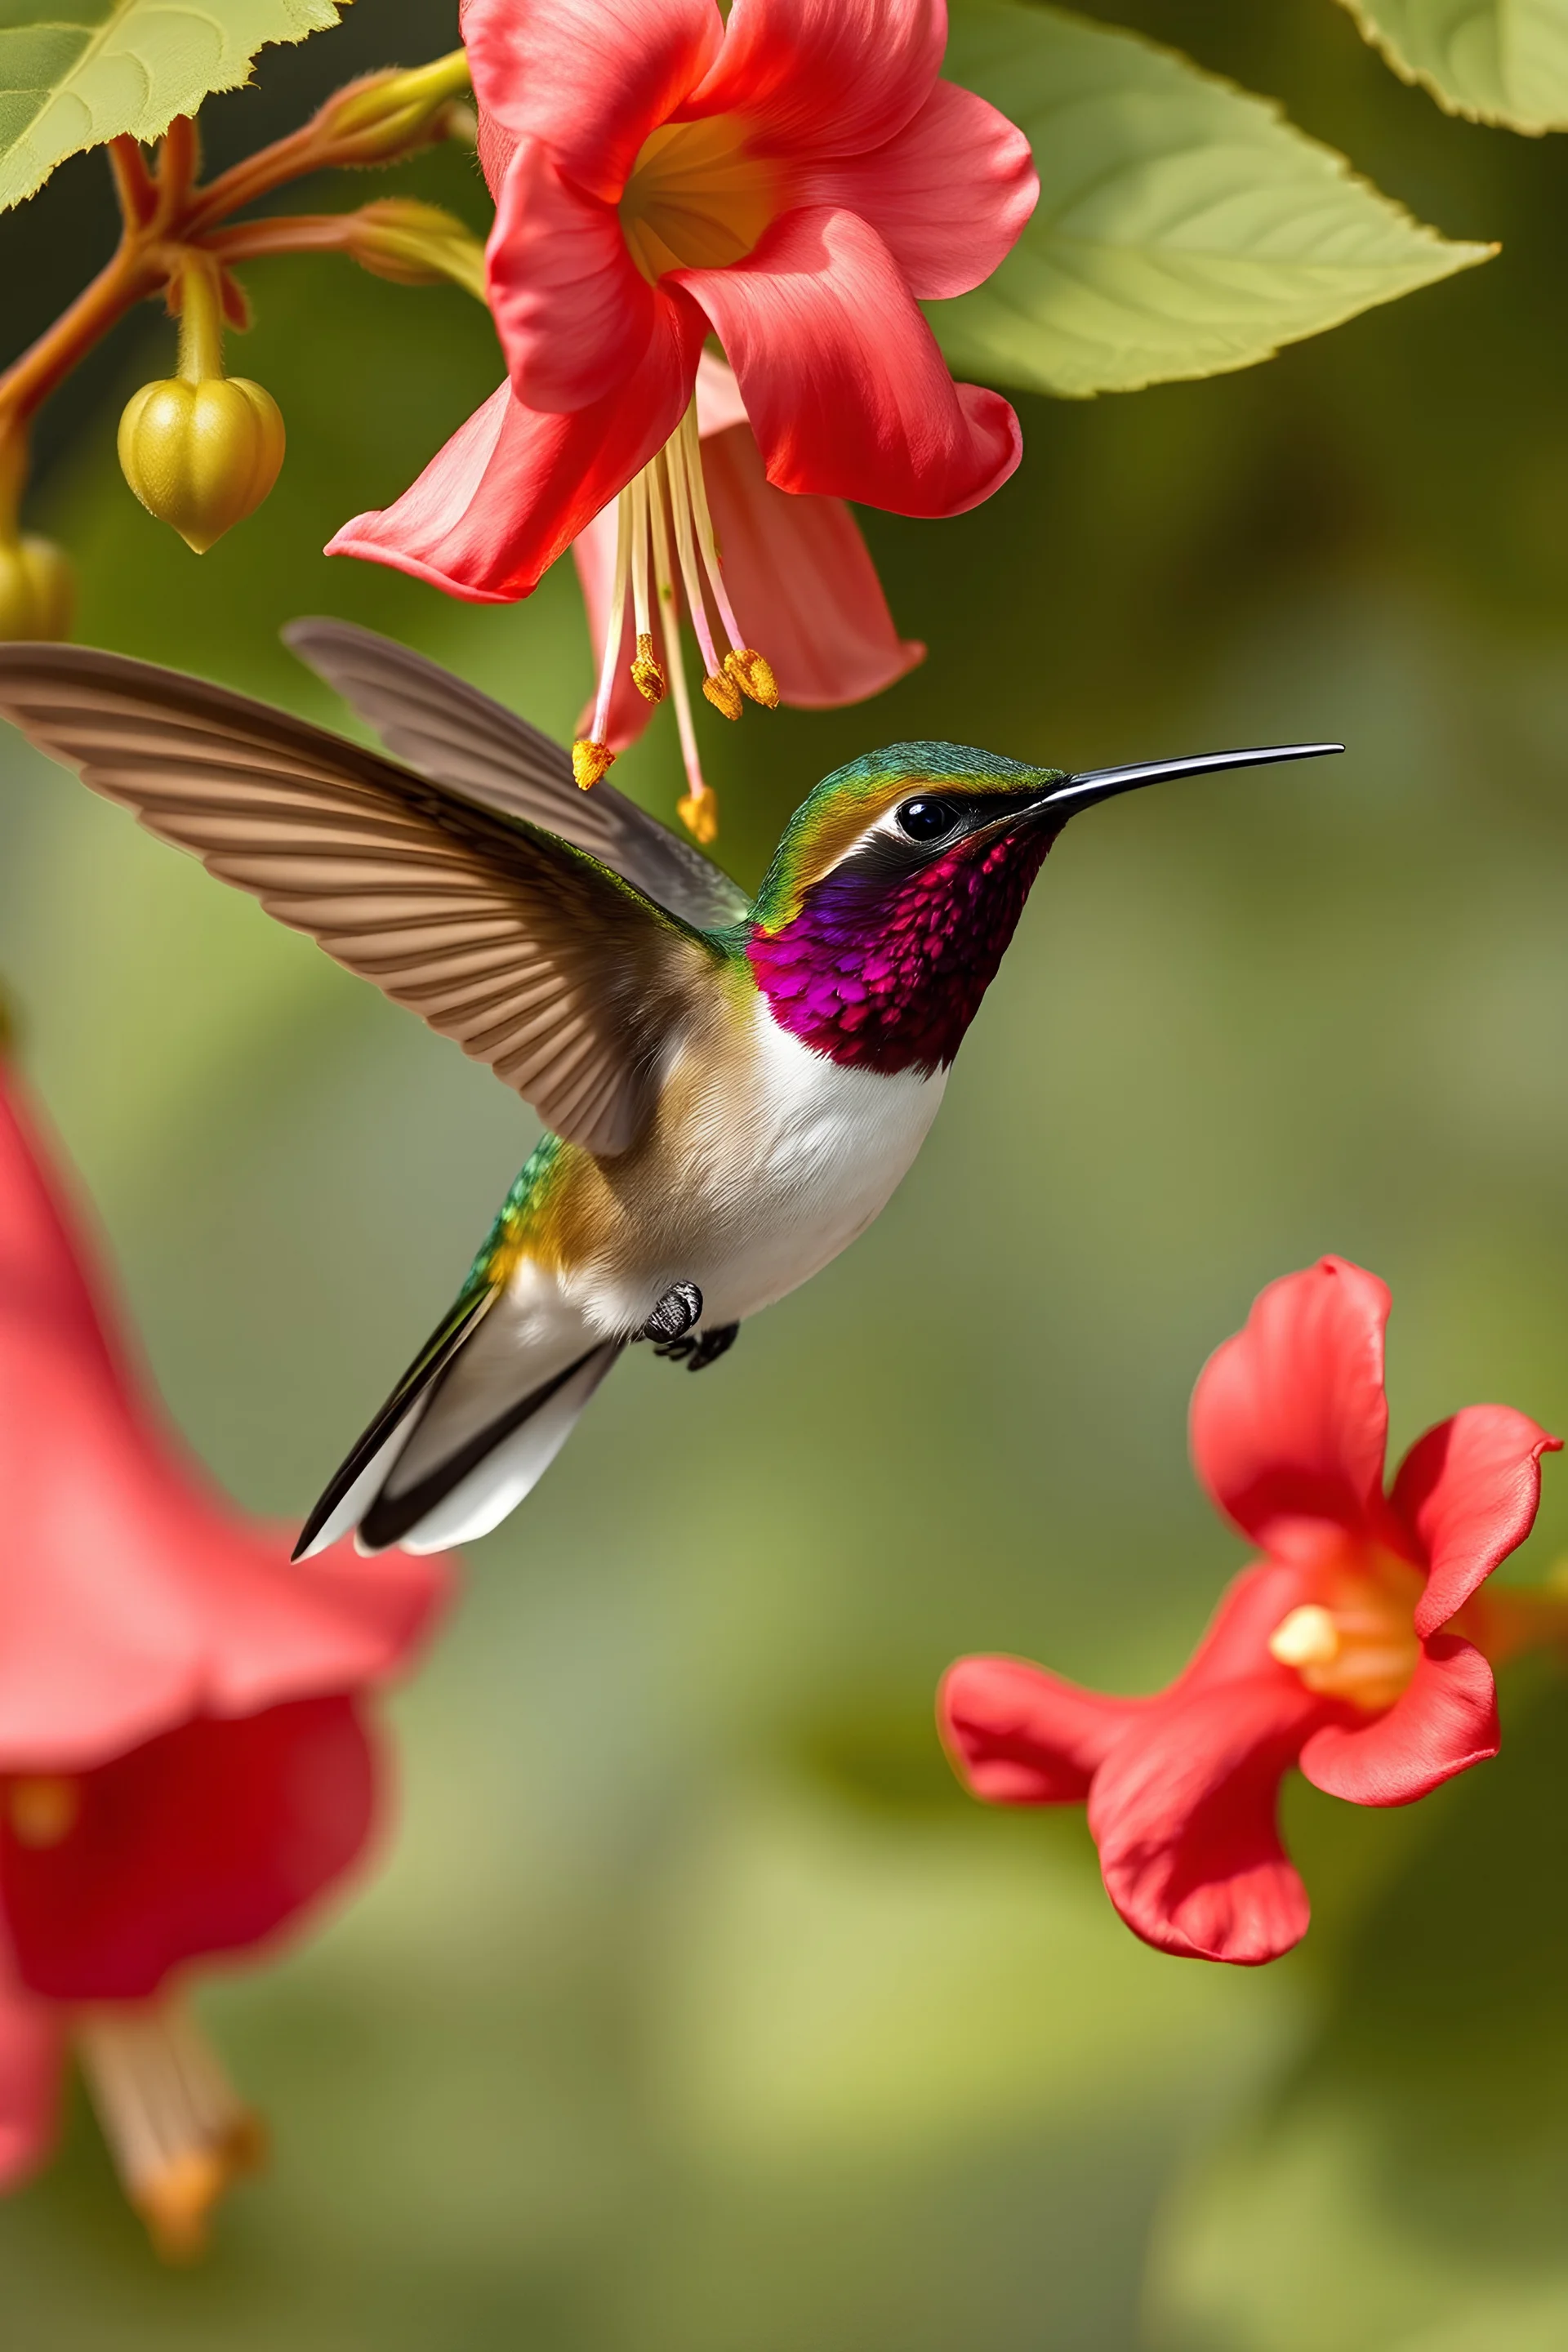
(664, 532)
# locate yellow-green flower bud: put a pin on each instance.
(390, 114)
(37, 586)
(38, 589)
(201, 456)
(416, 244)
(201, 449)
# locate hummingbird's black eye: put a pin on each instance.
(926, 820)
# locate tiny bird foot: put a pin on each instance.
(678, 1312)
(698, 1349)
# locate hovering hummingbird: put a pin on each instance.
(734, 1087)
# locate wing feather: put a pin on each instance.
(532, 955)
(450, 731)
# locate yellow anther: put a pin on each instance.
(754, 674)
(43, 1809)
(699, 812)
(647, 670)
(1307, 1637)
(721, 689)
(589, 762)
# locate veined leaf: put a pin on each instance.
(1183, 227)
(1502, 61)
(75, 73)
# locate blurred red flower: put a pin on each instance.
(794, 180)
(1357, 1648)
(186, 1761)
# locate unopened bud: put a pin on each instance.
(38, 589)
(201, 449)
(416, 244)
(390, 114)
(201, 457)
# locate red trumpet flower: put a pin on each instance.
(186, 1760)
(793, 181)
(1357, 1648)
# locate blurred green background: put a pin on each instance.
(695, 2009)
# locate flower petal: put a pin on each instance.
(847, 391)
(1468, 1492)
(592, 77)
(32, 2059)
(573, 313)
(514, 487)
(1288, 1418)
(802, 582)
(131, 1596)
(1184, 1816)
(1234, 1644)
(1019, 1735)
(824, 77)
(719, 401)
(950, 197)
(1445, 1721)
(207, 1840)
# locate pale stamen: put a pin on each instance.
(618, 618)
(176, 2128)
(696, 811)
(663, 527)
(719, 688)
(1361, 1645)
(648, 671)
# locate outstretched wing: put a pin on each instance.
(452, 732)
(536, 959)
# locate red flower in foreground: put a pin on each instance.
(1357, 1648)
(186, 1763)
(795, 181)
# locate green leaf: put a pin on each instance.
(78, 72)
(1502, 61)
(1184, 228)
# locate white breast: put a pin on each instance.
(822, 1150)
(774, 1175)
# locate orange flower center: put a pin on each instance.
(696, 198)
(1356, 1639)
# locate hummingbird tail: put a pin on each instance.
(475, 1422)
(470, 1489)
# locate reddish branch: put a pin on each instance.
(165, 214)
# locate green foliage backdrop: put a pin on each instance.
(696, 2012)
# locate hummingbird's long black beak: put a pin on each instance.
(1081, 792)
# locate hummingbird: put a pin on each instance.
(733, 1086)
